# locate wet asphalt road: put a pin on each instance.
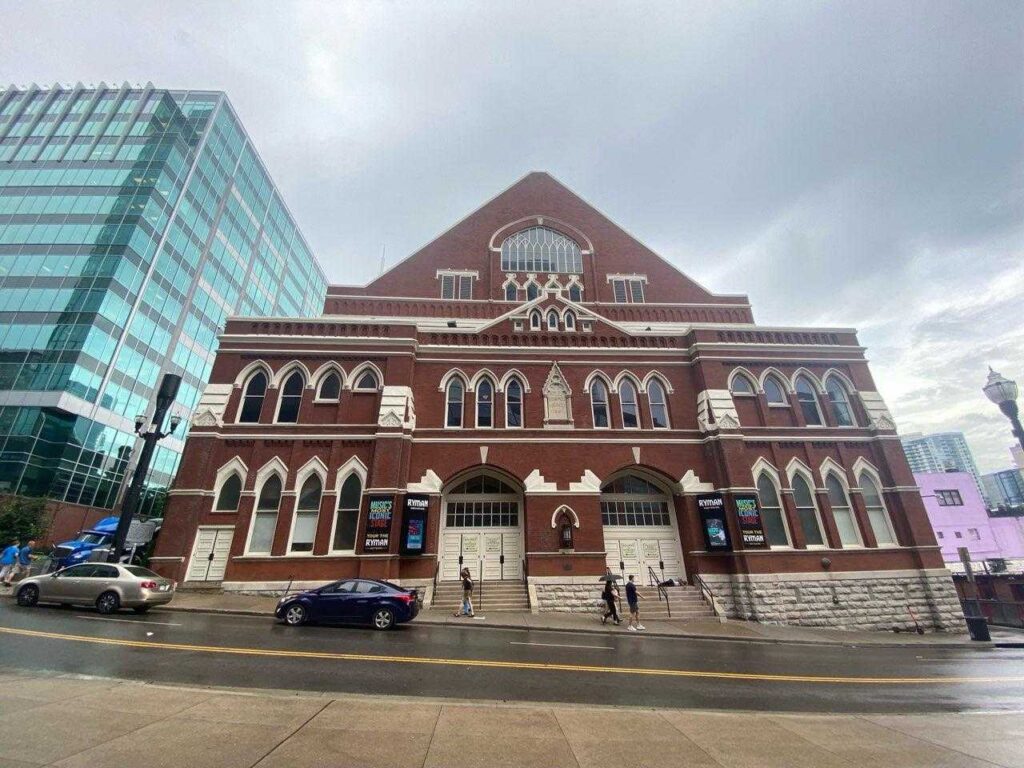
(517, 665)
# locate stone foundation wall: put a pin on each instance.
(866, 601)
(570, 598)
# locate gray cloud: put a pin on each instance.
(850, 163)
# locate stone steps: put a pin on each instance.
(497, 596)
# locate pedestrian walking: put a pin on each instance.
(8, 562)
(466, 609)
(21, 567)
(633, 598)
(610, 595)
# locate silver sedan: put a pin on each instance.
(105, 585)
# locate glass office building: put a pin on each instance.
(133, 220)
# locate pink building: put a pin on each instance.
(959, 518)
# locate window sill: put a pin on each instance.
(328, 401)
(779, 405)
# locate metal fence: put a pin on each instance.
(1001, 613)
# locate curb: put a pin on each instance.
(648, 633)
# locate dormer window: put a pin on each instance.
(456, 284)
(628, 289)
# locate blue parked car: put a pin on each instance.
(79, 549)
(380, 603)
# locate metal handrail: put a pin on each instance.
(653, 578)
(433, 590)
(526, 583)
(481, 591)
(709, 597)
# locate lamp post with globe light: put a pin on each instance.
(1003, 392)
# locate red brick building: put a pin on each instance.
(556, 398)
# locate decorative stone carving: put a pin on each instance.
(396, 408)
(210, 410)
(557, 409)
(716, 410)
(691, 483)
(429, 483)
(877, 411)
(589, 483)
(206, 418)
(535, 483)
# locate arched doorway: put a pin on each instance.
(482, 523)
(640, 530)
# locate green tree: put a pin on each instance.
(23, 518)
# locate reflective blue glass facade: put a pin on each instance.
(133, 220)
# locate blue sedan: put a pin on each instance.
(380, 603)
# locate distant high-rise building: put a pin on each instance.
(1004, 487)
(940, 452)
(133, 221)
(1018, 456)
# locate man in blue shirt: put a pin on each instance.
(24, 561)
(8, 562)
(633, 598)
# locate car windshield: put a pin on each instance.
(138, 570)
(91, 538)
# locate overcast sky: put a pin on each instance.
(851, 164)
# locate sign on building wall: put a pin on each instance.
(378, 524)
(414, 525)
(712, 522)
(749, 516)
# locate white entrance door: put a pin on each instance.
(639, 548)
(496, 553)
(482, 529)
(210, 553)
(640, 535)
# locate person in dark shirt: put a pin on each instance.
(633, 598)
(609, 595)
(466, 609)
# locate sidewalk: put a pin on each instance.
(73, 722)
(215, 602)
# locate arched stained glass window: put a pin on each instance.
(599, 403)
(306, 513)
(575, 293)
(771, 512)
(532, 291)
(807, 512)
(630, 412)
(659, 406)
(346, 518)
(330, 387)
(842, 511)
(773, 392)
(552, 320)
(514, 404)
(539, 249)
(485, 404)
(453, 408)
(741, 385)
(808, 400)
(511, 292)
(264, 521)
(881, 525)
(840, 399)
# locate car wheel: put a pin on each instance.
(295, 614)
(383, 618)
(108, 602)
(28, 595)
(140, 609)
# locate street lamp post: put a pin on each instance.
(1003, 392)
(151, 434)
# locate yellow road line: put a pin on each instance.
(529, 665)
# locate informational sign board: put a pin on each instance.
(140, 532)
(378, 524)
(749, 516)
(414, 525)
(712, 522)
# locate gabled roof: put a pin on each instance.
(467, 245)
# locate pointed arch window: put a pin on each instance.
(485, 403)
(532, 291)
(807, 512)
(840, 400)
(511, 292)
(535, 321)
(514, 404)
(570, 321)
(658, 404)
(774, 392)
(330, 387)
(775, 530)
(842, 511)
(346, 517)
(229, 495)
(741, 385)
(252, 400)
(808, 400)
(575, 293)
(552, 320)
(540, 249)
(455, 394)
(291, 399)
(878, 515)
(307, 511)
(367, 382)
(627, 403)
(264, 523)
(599, 404)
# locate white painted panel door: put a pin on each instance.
(482, 552)
(641, 548)
(210, 554)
